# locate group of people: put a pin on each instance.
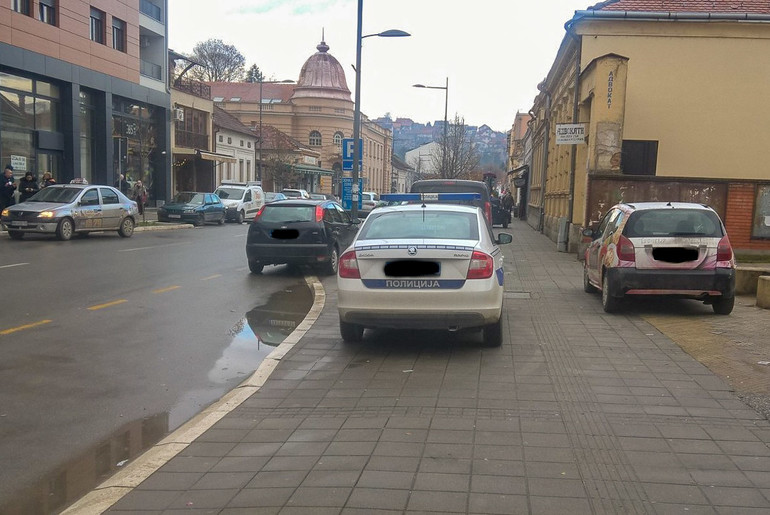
(137, 192)
(27, 186)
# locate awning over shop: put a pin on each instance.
(314, 170)
(214, 156)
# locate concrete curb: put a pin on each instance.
(162, 227)
(113, 489)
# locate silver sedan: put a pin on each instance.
(66, 209)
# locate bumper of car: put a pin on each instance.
(686, 283)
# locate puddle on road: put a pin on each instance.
(254, 337)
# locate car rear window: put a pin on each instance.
(673, 222)
(421, 224)
(287, 214)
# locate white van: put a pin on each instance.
(242, 200)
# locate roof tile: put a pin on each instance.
(701, 6)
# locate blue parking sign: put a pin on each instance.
(348, 151)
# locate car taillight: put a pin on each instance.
(488, 211)
(259, 213)
(724, 249)
(482, 266)
(319, 213)
(625, 249)
(348, 267)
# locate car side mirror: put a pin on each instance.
(589, 233)
(503, 238)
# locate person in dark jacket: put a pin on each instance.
(7, 188)
(27, 186)
(122, 184)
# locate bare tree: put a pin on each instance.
(220, 62)
(457, 156)
(254, 74)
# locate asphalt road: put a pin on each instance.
(107, 344)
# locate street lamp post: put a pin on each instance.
(259, 161)
(446, 104)
(393, 33)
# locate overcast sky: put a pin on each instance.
(494, 52)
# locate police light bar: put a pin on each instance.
(429, 197)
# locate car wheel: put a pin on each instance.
(16, 235)
(65, 229)
(199, 220)
(255, 267)
(126, 228)
(610, 303)
(241, 217)
(330, 267)
(587, 286)
(493, 333)
(351, 332)
(723, 305)
(222, 220)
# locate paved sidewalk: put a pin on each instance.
(577, 412)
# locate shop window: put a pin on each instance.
(21, 6)
(97, 25)
(118, 34)
(47, 11)
(639, 157)
(315, 139)
(761, 226)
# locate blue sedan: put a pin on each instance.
(193, 207)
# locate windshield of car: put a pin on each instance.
(230, 193)
(420, 224)
(59, 195)
(288, 214)
(673, 222)
(187, 197)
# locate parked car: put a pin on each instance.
(324, 196)
(274, 196)
(295, 193)
(299, 232)
(193, 207)
(500, 215)
(654, 248)
(369, 200)
(423, 266)
(66, 209)
(458, 186)
(242, 200)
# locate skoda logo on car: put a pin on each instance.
(412, 251)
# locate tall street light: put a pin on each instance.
(393, 33)
(446, 104)
(287, 81)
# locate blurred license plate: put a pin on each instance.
(19, 224)
(175, 216)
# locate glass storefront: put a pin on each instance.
(136, 130)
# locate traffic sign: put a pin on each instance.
(347, 192)
(348, 151)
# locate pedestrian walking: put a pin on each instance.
(139, 195)
(27, 186)
(47, 180)
(7, 188)
(122, 185)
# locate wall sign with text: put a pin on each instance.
(570, 133)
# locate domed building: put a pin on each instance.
(316, 113)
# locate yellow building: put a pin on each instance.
(316, 111)
(661, 100)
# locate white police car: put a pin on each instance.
(423, 266)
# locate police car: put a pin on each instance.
(423, 265)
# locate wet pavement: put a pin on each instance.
(577, 412)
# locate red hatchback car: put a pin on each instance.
(655, 248)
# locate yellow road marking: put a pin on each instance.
(164, 290)
(107, 304)
(211, 277)
(22, 327)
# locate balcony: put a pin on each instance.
(152, 70)
(191, 140)
(151, 10)
(193, 87)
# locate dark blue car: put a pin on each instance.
(193, 207)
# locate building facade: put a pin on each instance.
(659, 121)
(235, 140)
(83, 91)
(316, 111)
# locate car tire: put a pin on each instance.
(16, 235)
(610, 302)
(241, 217)
(493, 333)
(65, 229)
(330, 267)
(723, 305)
(221, 221)
(587, 286)
(255, 267)
(126, 229)
(199, 220)
(351, 332)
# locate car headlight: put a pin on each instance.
(46, 214)
(5, 212)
